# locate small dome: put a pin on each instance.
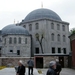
(42, 14)
(13, 29)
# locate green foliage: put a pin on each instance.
(72, 31)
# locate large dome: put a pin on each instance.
(42, 14)
(13, 29)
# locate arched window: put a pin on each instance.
(52, 25)
(19, 40)
(58, 37)
(24, 26)
(30, 27)
(63, 27)
(0, 40)
(52, 36)
(64, 38)
(5, 40)
(15, 40)
(37, 36)
(58, 27)
(25, 40)
(36, 26)
(10, 40)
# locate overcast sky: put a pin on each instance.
(18, 9)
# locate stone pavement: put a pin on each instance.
(11, 71)
(65, 71)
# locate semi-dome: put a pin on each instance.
(42, 14)
(13, 29)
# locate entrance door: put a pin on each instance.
(39, 62)
(61, 61)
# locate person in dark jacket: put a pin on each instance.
(30, 66)
(58, 67)
(52, 67)
(21, 68)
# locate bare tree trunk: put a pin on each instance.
(41, 48)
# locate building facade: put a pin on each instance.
(52, 42)
(54, 30)
(15, 41)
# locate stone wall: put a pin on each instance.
(47, 59)
(13, 61)
(65, 61)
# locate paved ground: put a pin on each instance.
(64, 71)
(11, 71)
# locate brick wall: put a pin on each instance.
(73, 53)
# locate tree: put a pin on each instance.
(40, 38)
(72, 31)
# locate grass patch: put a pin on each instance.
(2, 67)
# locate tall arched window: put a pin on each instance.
(63, 27)
(15, 40)
(10, 40)
(52, 25)
(24, 26)
(58, 27)
(64, 38)
(58, 37)
(52, 36)
(25, 40)
(36, 26)
(30, 27)
(19, 40)
(5, 41)
(37, 36)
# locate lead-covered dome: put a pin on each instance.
(42, 14)
(13, 29)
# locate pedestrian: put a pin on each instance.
(30, 66)
(21, 68)
(52, 67)
(58, 67)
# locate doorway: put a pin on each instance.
(39, 62)
(61, 61)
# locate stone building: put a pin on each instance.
(51, 29)
(55, 34)
(56, 31)
(15, 41)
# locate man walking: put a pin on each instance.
(58, 67)
(52, 67)
(21, 68)
(30, 66)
